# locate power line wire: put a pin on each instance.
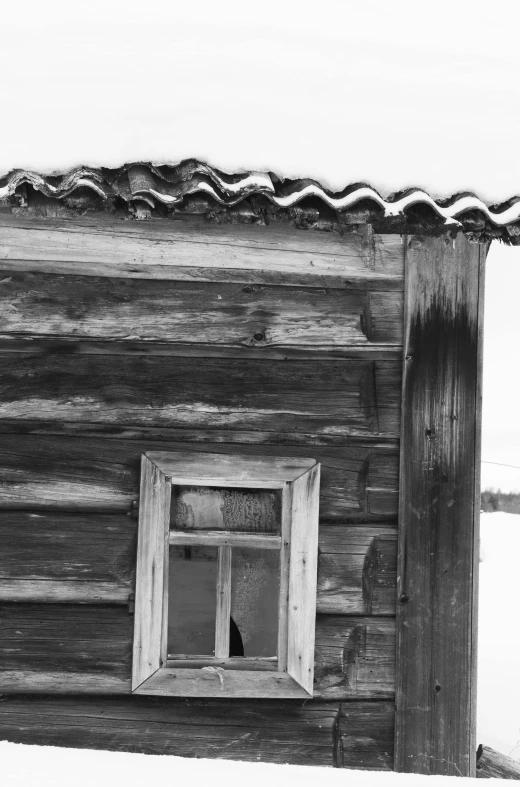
(485, 462)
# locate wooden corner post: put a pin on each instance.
(439, 507)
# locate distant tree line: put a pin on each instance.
(495, 500)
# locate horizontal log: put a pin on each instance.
(366, 735)
(88, 550)
(91, 559)
(34, 681)
(83, 307)
(64, 473)
(357, 570)
(193, 250)
(322, 397)
(68, 346)
(66, 638)
(492, 764)
(291, 731)
(63, 591)
(49, 645)
(354, 657)
(158, 434)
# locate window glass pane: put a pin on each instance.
(192, 600)
(255, 588)
(246, 510)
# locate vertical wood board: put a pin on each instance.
(436, 562)
(303, 578)
(151, 597)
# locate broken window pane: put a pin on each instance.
(255, 589)
(192, 600)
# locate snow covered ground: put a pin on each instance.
(498, 703)
(44, 766)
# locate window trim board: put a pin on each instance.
(298, 478)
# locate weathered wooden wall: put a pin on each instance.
(121, 337)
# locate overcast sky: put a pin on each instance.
(501, 411)
(395, 94)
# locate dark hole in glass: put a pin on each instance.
(236, 646)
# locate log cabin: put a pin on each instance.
(239, 491)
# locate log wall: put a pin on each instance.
(118, 338)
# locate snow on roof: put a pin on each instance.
(392, 95)
(195, 186)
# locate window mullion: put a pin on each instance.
(223, 603)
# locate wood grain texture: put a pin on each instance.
(77, 347)
(194, 468)
(264, 730)
(192, 249)
(322, 397)
(492, 764)
(357, 572)
(223, 602)
(291, 731)
(303, 570)
(151, 586)
(435, 729)
(95, 474)
(215, 538)
(90, 559)
(209, 682)
(354, 657)
(78, 548)
(66, 638)
(365, 735)
(82, 307)
(71, 648)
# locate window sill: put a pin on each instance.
(211, 682)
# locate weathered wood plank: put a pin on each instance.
(436, 577)
(196, 250)
(209, 682)
(150, 647)
(223, 602)
(52, 306)
(328, 397)
(354, 657)
(366, 735)
(357, 570)
(79, 549)
(291, 731)
(64, 591)
(191, 468)
(303, 571)
(215, 538)
(67, 346)
(165, 434)
(91, 559)
(64, 473)
(66, 638)
(294, 732)
(66, 648)
(492, 764)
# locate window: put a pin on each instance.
(225, 598)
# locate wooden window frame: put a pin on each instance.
(292, 673)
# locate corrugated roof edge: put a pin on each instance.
(144, 189)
